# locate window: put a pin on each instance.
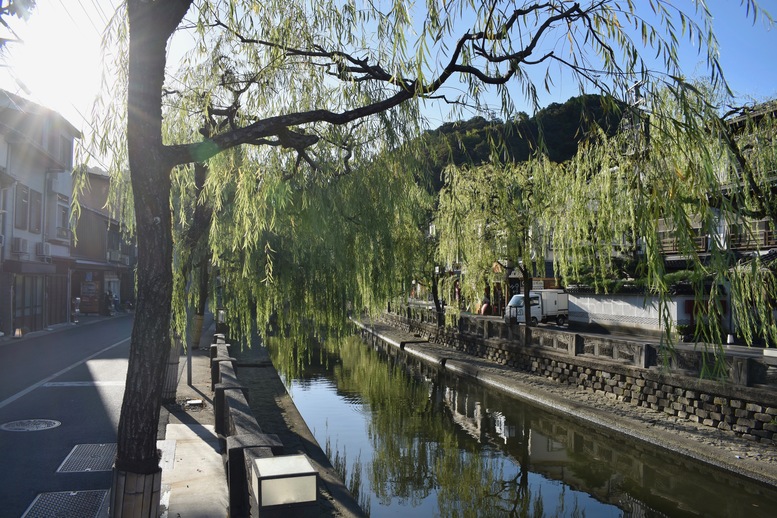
(21, 206)
(36, 211)
(66, 152)
(114, 238)
(63, 222)
(51, 145)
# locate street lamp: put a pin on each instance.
(286, 485)
(221, 321)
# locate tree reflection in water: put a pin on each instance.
(419, 454)
(423, 443)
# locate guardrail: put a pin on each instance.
(483, 332)
(239, 432)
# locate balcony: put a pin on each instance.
(758, 239)
(670, 244)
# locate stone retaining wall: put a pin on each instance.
(629, 371)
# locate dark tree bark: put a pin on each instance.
(439, 310)
(526, 272)
(151, 24)
(196, 240)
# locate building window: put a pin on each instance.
(66, 152)
(53, 141)
(63, 222)
(36, 211)
(114, 238)
(21, 206)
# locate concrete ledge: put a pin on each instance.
(220, 349)
(428, 356)
(463, 368)
(238, 470)
(215, 369)
(219, 403)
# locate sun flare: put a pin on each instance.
(55, 64)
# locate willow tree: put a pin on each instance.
(699, 178)
(304, 86)
(487, 221)
(10, 9)
(332, 244)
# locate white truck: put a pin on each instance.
(544, 304)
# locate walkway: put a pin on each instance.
(194, 482)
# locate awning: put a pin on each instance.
(29, 267)
(83, 264)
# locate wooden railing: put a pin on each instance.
(750, 241)
(671, 244)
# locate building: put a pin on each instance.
(103, 257)
(741, 236)
(36, 162)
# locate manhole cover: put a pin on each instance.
(89, 457)
(81, 504)
(30, 425)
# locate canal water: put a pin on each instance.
(412, 441)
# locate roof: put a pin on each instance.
(10, 101)
(754, 112)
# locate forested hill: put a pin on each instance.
(562, 127)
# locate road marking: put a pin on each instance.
(84, 384)
(57, 374)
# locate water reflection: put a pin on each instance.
(417, 442)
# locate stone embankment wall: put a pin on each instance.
(641, 374)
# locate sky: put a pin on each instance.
(58, 65)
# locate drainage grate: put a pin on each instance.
(89, 457)
(30, 425)
(67, 504)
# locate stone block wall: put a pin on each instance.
(628, 371)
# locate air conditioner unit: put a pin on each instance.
(125, 260)
(19, 246)
(114, 256)
(43, 249)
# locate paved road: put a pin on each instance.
(75, 376)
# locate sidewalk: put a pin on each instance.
(83, 320)
(194, 482)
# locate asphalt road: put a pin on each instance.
(73, 375)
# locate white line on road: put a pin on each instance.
(57, 374)
(54, 384)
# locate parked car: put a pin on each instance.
(544, 305)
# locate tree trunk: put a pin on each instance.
(137, 461)
(199, 317)
(527, 282)
(526, 293)
(439, 312)
(196, 240)
(170, 386)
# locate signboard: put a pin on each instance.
(90, 297)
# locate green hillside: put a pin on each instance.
(556, 130)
